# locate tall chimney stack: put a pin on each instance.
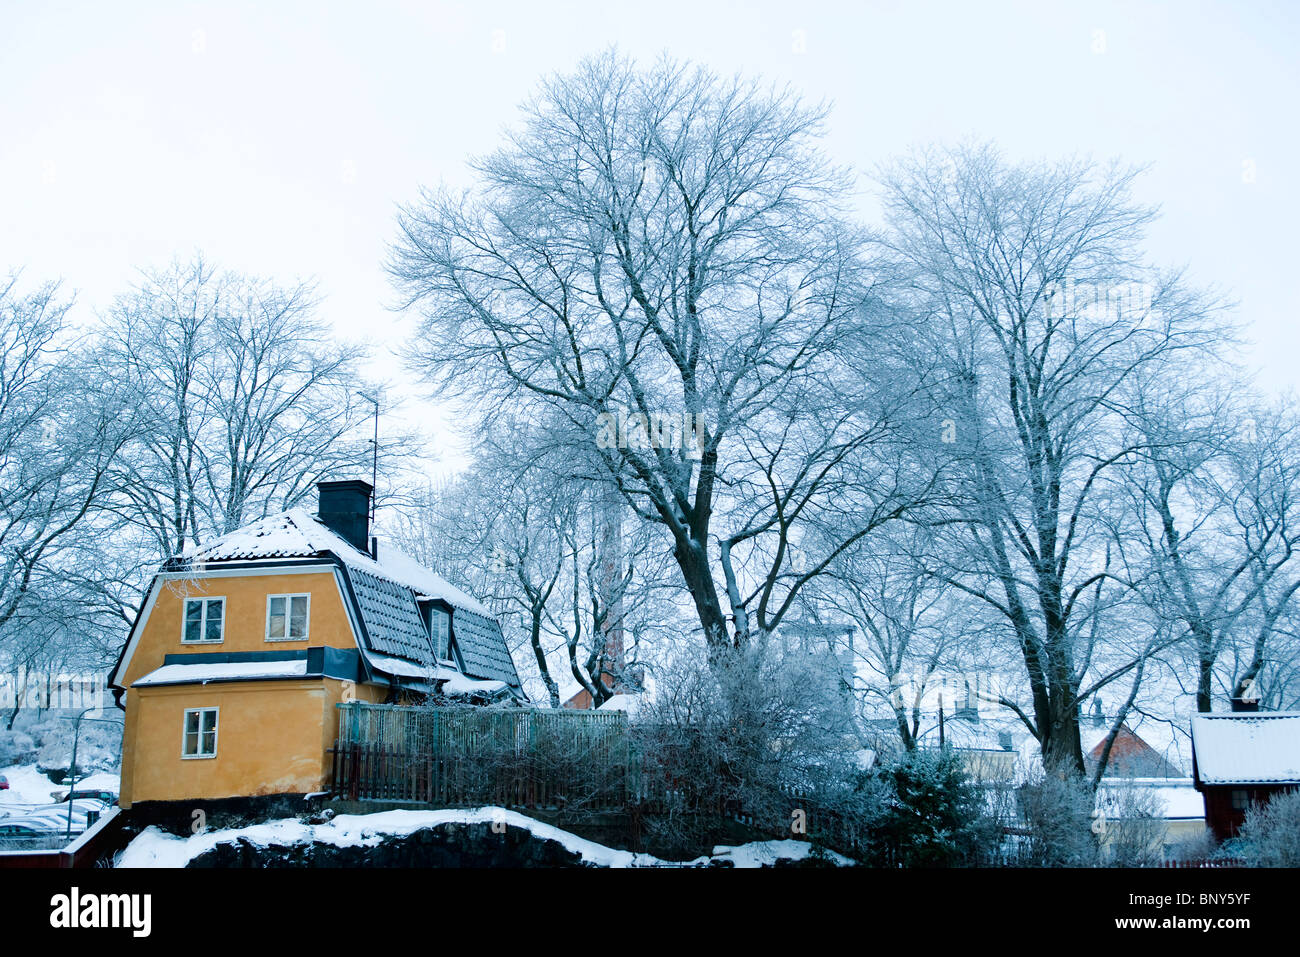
(345, 510)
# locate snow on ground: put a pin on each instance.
(767, 853)
(156, 848)
(28, 786)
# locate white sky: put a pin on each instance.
(278, 138)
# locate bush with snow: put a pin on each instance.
(1270, 835)
(99, 747)
(1056, 814)
(16, 747)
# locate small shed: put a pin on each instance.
(1242, 758)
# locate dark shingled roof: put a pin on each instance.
(392, 618)
(387, 593)
(482, 648)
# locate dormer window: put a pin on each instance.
(438, 620)
(440, 632)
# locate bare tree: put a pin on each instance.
(661, 257)
(525, 529)
(1036, 295)
(248, 401)
(916, 634)
(61, 433)
(1217, 501)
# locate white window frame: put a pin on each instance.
(288, 615)
(216, 732)
(442, 652)
(203, 620)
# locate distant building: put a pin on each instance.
(1130, 757)
(1243, 758)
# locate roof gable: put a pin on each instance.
(1130, 756)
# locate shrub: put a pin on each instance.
(1056, 814)
(16, 747)
(759, 735)
(1270, 835)
(1132, 825)
(935, 816)
(99, 747)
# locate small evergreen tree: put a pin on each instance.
(936, 816)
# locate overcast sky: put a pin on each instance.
(278, 137)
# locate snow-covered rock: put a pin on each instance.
(486, 836)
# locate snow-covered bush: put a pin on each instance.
(16, 747)
(1056, 814)
(1198, 848)
(99, 747)
(1270, 835)
(1132, 826)
(760, 735)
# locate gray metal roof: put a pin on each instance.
(391, 617)
(386, 593)
(482, 648)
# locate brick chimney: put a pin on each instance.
(345, 510)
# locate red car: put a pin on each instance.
(4, 783)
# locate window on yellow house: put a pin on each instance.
(200, 733)
(286, 617)
(204, 620)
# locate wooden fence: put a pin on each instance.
(458, 757)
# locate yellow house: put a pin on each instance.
(231, 672)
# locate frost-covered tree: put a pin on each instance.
(580, 585)
(246, 401)
(62, 430)
(663, 257)
(1049, 324)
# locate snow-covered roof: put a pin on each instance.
(225, 671)
(410, 669)
(1247, 747)
(299, 534)
(460, 685)
(621, 701)
(387, 589)
(1179, 797)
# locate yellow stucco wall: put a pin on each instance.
(272, 736)
(245, 617)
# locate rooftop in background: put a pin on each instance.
(1130, 756)
(1246, 747)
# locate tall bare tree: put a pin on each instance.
(1218, 492)
(1036, 294)
(247, 401)
(62, 430)
(657, 252)
(523, 528)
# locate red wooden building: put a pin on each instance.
(1241, 758)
